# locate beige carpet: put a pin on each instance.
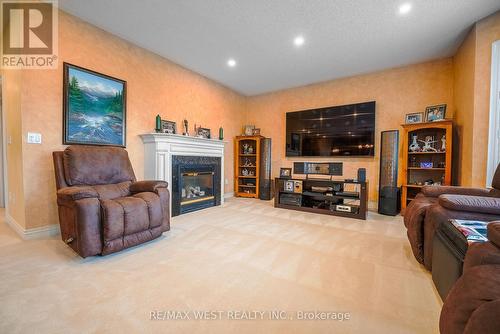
(243, 257)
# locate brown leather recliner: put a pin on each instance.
(473, 304)
(437, 204)
(102, 208)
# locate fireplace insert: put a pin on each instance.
(197, 187)
(195, 183)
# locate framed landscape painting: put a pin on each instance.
(94, 108)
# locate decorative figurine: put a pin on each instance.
(413, 162)
(245, 148)
(414, 147)
(186, 131)
(427, 144)
(250, 149)
(443, 143)
(247, 163)
(244, 172)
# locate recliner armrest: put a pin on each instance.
(494, 233)
(479, 204)
(75, 193)
(147, 186)
(436, 191)
(481, 253)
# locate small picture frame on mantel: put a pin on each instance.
(168, 127)
(203, 133)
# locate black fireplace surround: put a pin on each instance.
(196, 183)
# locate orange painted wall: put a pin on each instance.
(154, 86)
(397, 92)
(487, 32)
(472, 65)
(464, 71)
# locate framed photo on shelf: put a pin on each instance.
(416, 117)
(94, 108)
(435, 113)
(256, 132)
(285, 173)
(289, 186)
(203, 133)
(168, 127)
(248, 130)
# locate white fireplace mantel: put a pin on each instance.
(160, 147)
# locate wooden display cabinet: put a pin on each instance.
(246, 166)
(425, 166)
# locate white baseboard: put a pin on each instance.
(229, 194)
(32, 233)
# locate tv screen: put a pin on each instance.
(333, 131)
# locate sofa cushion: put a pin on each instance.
(436, 191)
(124, 216)
(94, 165)
(414, 221)
(129, 221)
(495, 183)
(154, 207)
(479, 204)
(112, 191)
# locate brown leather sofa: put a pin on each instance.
(102, 208)
(473, 304)
(437, 204)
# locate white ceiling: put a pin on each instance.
(342, 37)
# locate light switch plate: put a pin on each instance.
(34, 138)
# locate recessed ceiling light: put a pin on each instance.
(405, 8)
(231, 62)
(299, 41)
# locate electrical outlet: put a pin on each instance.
(226, 181)
(34, 138)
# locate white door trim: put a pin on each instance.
(494, 133)
(3, 157)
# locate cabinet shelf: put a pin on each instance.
(411, 153)
(420, 175)
(422, 168)
(241, 143)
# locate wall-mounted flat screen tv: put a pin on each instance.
(332, 131)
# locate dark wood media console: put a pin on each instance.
(322, 196)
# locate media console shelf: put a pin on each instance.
(323, 196)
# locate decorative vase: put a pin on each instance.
(158, 123)
(221, 133)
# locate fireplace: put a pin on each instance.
(195, 183)
(186, 161)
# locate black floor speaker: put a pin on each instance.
(265, 181)
(388, 194)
